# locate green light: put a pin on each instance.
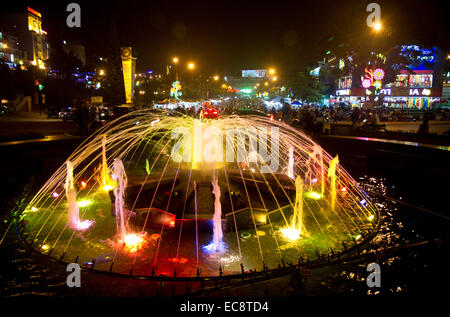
(147, 167)
(328, 52)
(314, 195)
(246, 91)
(41, 87)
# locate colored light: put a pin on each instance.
(363, 203)
(378, 74)
(83, 225)
(371, 217)
(366, 83)
(314, 180)
(107, 188)
(84, 203)
(34, 209)
(55, 194)
(358, 237)
(45, 247)
(175, 60)
(290, 233)
(172, 223)
(133, 241)
(343, 189)
(314, 195)
(83, 184)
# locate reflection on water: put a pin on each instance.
(22, 273)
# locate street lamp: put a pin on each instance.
(191, 66)
(216, 78)
(271, 71)
(175, 61)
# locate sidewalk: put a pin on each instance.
(23, 125)
(438, 127)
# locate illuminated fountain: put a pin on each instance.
(172, 193)
(74, 221)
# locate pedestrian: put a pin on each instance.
(82, 117)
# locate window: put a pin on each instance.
(420, 80)
(401, 81)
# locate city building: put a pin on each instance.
(25, 40)
(415, 86)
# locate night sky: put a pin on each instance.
(227, 36)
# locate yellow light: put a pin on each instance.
(377, 26)
(101, 72)
(371, 217)
(266, 83)
(271, 71)
(290, 233)
(133, 242)
(34, 209)
(107, 188)
(274, 78)
(224, 86)
(84, 203)
(175, 60)
(45, 247)
(314, 195)
(191, 65)
(358, 237)
(216, 78)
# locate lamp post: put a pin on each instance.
(175, 61)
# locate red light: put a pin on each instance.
(172, 223)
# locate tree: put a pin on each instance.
(305, 87)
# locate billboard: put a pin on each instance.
(254, 73)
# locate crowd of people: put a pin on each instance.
(312, 119)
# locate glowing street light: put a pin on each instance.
(216, 78)
(377, 26)
(271, 71)
(175, 60)
(101, 72)
(274, 78)
(191, 66)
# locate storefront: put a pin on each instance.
(395, 97)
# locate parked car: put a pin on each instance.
(53, 111)
(67, 114)
(121, 110)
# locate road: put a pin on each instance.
(28, 125)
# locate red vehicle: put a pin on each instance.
(210, 113)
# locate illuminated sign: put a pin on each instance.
(343, 92)
(128, 68)
(246, 91)
(254, 73)
(34, 12)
